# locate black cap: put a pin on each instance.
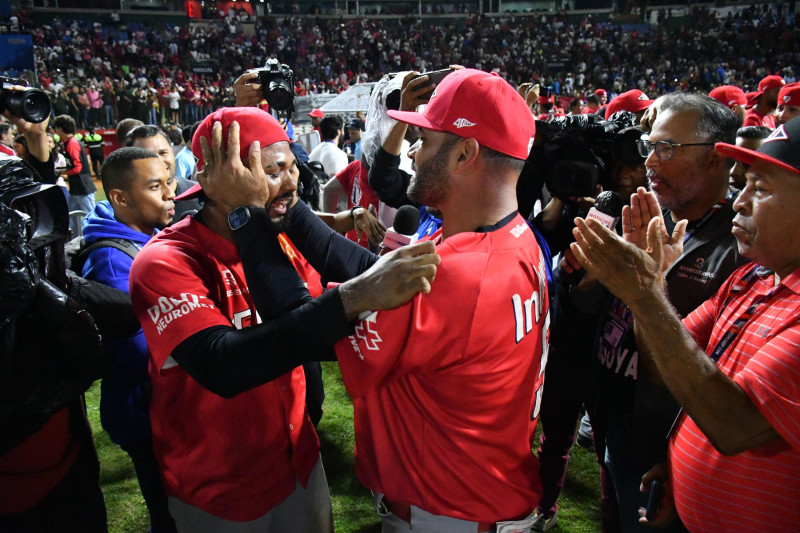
(781, 148)
(356, 124)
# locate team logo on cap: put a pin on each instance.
(787, 98)
(778, 135)
(463, 123)
(642, 97)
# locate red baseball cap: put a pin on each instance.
(599, 92)
(781, 148)
(751, 99)
(254, 125)
(317, 113)
(547, 99)
(475, 104)
(790, 95)
(728, 95)
(633, 101)
(770, 82)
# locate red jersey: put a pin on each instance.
(446, 387)
(355, 182)
(757, 490)
(235, 458)
(754, 118)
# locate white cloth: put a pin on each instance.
(332, 158)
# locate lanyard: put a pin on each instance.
(738, 325)
(710, 213)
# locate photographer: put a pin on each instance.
(579, 157)
(49, 473)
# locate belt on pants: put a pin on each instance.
(403, 512)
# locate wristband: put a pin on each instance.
(353, 211)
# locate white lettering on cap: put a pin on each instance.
(463, 123)
(642, 97)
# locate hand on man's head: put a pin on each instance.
(225, 179)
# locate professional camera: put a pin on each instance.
(579, 152)
(30, 104)
(277, 86)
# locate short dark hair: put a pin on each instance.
(124, 126)
(4, 127)
(753, 132)
(187, 132)
(145, 131)
(593, 99)
(499, 160)
(329, 127)
(116, 171)
(575, 101)
(175, 137)
(65, 123)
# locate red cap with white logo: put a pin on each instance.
(766, 84)
(479, 105)
(729, 95)
(633, 101)
(790, 95)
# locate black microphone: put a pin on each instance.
(607, 210)
(403, 230)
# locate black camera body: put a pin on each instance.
(579, 152)
(27, 103)
(277, 86)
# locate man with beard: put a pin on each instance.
(231, 432)
(154, 139)
(446, 387)
(690, 180)
(766, 100)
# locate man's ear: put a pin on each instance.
(117, 198)
(467, 152)
(715, 159)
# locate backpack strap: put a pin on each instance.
(123, 245)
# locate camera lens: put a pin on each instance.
(280, 94)
(32, 105)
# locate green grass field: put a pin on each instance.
(579, 506)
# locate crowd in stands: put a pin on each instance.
(99, 73)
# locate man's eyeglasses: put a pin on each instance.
(664, 149)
